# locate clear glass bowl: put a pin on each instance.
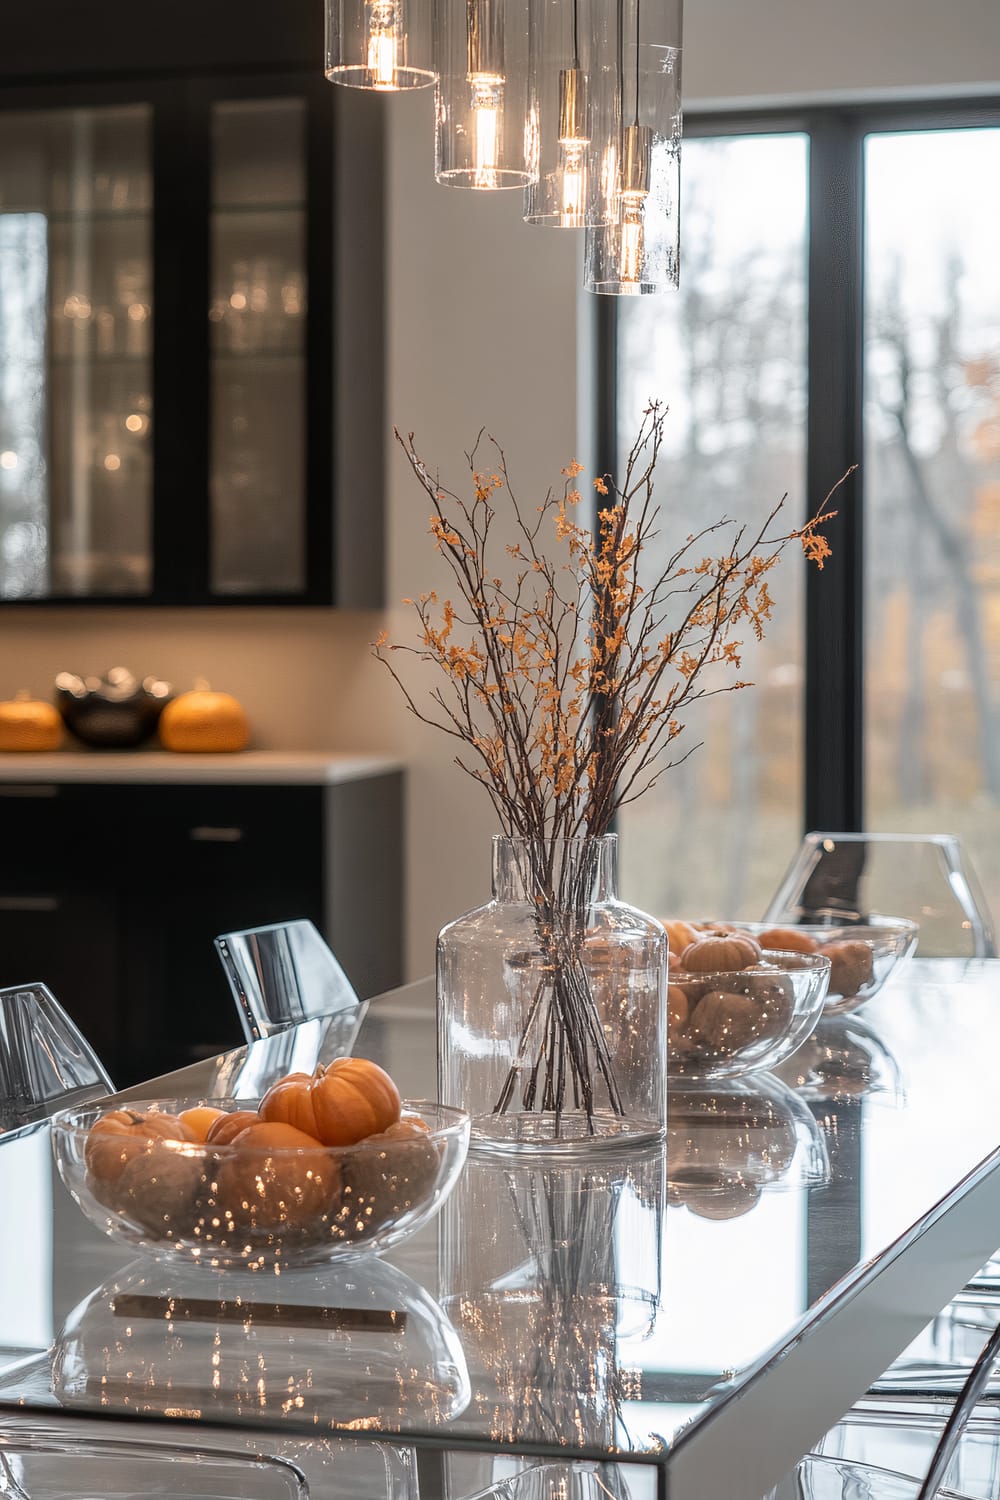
(231, 1205)
(862, 954)
(728, 1023)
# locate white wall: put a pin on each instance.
(742, 51)
(482, 330)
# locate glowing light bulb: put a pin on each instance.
(383, 44)
(637, 147)
(573, 176)
(574, 138)
(630, 247)
(487, 115)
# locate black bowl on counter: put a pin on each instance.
(113, 712)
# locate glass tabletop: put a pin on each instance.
(782, 1246)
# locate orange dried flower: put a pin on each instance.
(566, 679)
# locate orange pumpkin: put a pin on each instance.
(340, 1104)
(122, 1134)
(28, 723)
(720, 954)
(200, 1119)
(353, 1098)
(680, 935)
(386, 1176)
(788, 939)
(289, 1102)
(227, 1127)
(158, 1188)
(204, 721)
(678, 1007)
(275, 1177)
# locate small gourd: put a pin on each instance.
(28, 723)
(720, 954)
(340, 1104)
(202, 720)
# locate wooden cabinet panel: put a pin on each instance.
(113, 894)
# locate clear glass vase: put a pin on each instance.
(552, 1005)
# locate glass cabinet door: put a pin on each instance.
(258, 347)
(75, 353)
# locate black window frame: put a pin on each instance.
(833, 788)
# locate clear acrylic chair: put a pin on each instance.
(847, 876)
(45, 1062)
(880, 1453)
(49, 1462)
(281, 975)
(927, 877)
(872, 1454)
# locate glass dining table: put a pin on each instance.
(690, 1317)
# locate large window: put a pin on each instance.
(839, 303)
(728, 356)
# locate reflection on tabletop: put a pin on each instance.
(843, 1059)
(568, 1264)
(727, 1143)
(361, 1345)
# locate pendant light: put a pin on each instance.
(633, 244)
(483, 135)
(383, 45)
(578, 102)
(564, 43)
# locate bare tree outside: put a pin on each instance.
(727, 355)
(932, 488)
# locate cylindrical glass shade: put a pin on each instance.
(633, 242)
(570, 44)
(483, 138)
(379, 44)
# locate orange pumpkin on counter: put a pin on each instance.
(203, 721)
(340, 1104)
(28, 723)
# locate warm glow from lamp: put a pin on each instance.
(630, 252)
(573, 171)
(487, 114)
(635, 177)
(574, 138)
(383, 43)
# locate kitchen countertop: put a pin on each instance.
(274, 767)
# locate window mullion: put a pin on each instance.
(834, 697)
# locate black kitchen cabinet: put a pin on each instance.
(112, 894)
(191, 290)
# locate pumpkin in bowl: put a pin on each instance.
(122, 1134)
(386, 1175)
(275, 1177)
(339, 1104)
(28, 723)
(204, 721)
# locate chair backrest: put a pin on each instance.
(45, 1062)
(283, 974)
(927, 877)
(53, 1462)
